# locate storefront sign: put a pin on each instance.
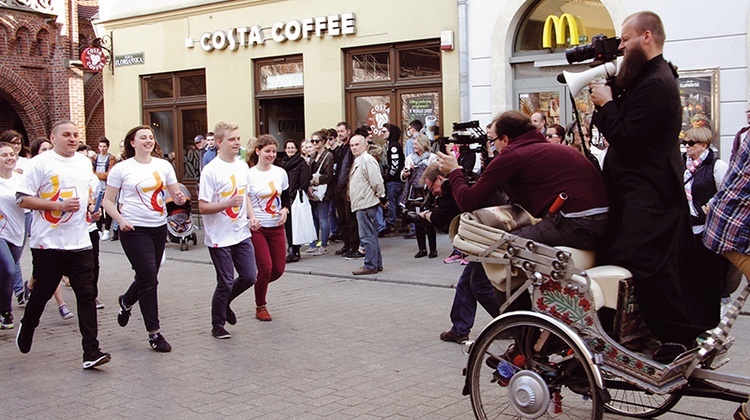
(559, 24)
(93, 59)
(129, 60)
(294, 30)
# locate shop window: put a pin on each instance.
(567, 18)
(419, 62)
(370, 67)
(274, 76)
(393, 83)
(174, 106)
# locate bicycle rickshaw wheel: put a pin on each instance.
(554, 379)
(629, 400)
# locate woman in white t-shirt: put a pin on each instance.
(140, 180)
(267, 188)
(11, 231)
(15, 139)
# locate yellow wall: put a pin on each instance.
(229, 74)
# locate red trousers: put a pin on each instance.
(270, 257)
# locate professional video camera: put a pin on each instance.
(601, 49)
(466, 133)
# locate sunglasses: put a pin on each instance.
(314, 141)
(690, 143)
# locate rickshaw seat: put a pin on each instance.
(607, 280)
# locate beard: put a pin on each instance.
(631, 66)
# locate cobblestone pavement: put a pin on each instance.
(338, 347)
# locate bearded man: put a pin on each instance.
(649, 231)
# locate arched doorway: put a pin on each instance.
(546, 29)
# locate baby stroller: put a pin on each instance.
(180, 228)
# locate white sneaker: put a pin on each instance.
(105, 235)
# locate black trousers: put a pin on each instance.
(49, 265)
(144, 247)
(347, 220)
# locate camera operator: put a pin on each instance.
(473, 286)
(649, 231)
(534, 172)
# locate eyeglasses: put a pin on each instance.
(551, 136)
(690, 143)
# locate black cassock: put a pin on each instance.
(649, 229)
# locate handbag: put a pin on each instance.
(303, 227)
(318, 192)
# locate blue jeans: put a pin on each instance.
(18, 280)
(226, 259)
(323, 209)
(368, 237)
(380, 219)
(473, 286)
(9, 256)
(393, 190)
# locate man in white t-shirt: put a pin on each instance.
(227, 217)
(58, 186)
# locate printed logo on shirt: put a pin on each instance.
(229, 192)
(55, 217)
(3, 222)
(274, 200)
(151, 193)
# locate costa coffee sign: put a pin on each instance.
(93, 59)
(293, 30)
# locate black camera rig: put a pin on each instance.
(601, 49)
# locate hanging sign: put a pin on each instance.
(93, 59)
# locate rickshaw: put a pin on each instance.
(557, 360)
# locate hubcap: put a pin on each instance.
(529, 394)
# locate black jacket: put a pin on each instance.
(298, 173)
(649, 228)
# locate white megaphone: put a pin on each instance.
(577, 81)
(430, 122)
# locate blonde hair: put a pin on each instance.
(700, 134)
(423, 141)
(223, 129)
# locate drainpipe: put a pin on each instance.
(463, 60)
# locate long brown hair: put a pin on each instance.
(259, 143)
(130, 136)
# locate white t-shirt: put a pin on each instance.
(265, 190)
(53, 177)
(142, 187)
(220, 181)
(11, 216)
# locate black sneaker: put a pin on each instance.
(21, 299)
(7, 321)
(97, 359)
(354, 255)
(220, 333)
(24, 338)
(231, 317)
(159, 344)
(124, 315)
(342, 251)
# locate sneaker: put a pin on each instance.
(451, 336)
(64, 312)
(320, 251)
(24, 338)
(105, 235)
(261, 313)
(7, 322)
(363, 271)
(99, 305)
(220, 333)
(464, 262)
(21, 299)
(231, 317)
(354, 255)
(454, 258)
(115, 235)
(124, 315)
(158, 343)
(97, 359)
(433, 254)
(342, 251)
(311, 251)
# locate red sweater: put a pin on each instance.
(533, 172)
